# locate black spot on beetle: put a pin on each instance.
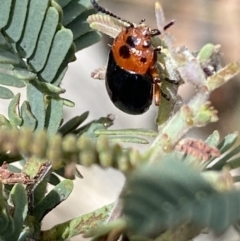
(143, 60)
(124, 52)
(131, 41)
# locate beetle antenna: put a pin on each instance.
(168, 25)
(155, 32)
(103, 10)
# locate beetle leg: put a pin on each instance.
(157, 94)
(153, 69)
(158, 49)
(154, 74)
(156, 88)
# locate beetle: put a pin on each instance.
(132, 79)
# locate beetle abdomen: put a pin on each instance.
(130, 92)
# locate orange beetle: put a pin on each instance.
(132, 79)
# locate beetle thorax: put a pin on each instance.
(132, 49)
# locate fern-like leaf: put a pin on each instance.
(37, 42)
(163, 196)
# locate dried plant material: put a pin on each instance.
(197, 148)
(223, 76)
(43, 171)
(11, 178)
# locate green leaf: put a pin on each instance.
(5, 67)
(165, 108)
(32, 166)
(128, 139)
(68, 103)
(213, 139)
(127, 132)
(19, 198)
(76, 226)
(9, 230)
(234, 163)
(13, 111)
(4, 216)
(39, 58)
(40, 190)
(2, 40)
(101, 124)
(223, 146)
(228, 142)
(59, 9)
(4, 213)
(103, 230)
(61, 44)
(31, 229)
(13, 168)
(24, 74)
(7, 57)
(29, 121)
(70, 57)
(63, 3)
(58, 78)
(4, 45)
(15, 27)
(80, 26)
(74, 9)
(36, 13)
(37, 104)
(206, 52)
(48, 88)
(179, 195)
(87, 40)
(4, 122)
(26, 234)
(10, 80)
(54, 116)
(5, 93)
(57, 195)
(73, 123)
(54, 179)
(5, 12)
(224, 159)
